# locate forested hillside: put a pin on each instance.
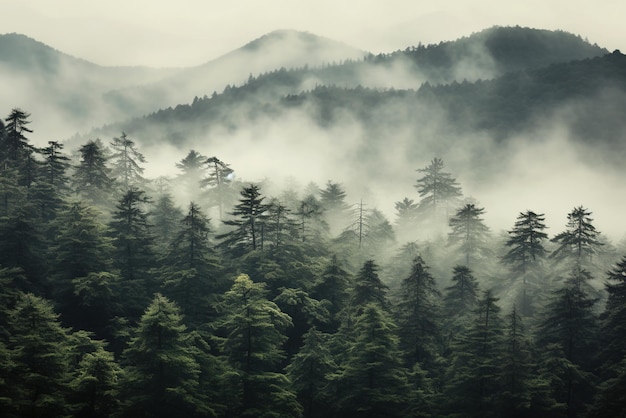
(255, 299)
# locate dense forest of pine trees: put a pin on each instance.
(119, 300)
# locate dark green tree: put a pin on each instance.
(165, 217)
(161, 371)
(192, 169)
(246, 232)
(473, 385)
(92, 177)
(83, 280)
(368, 288)
(255, 332)
(217, 182)
(438, 189)
(469, 234)
(419, 316)
(309, 372)
(125, 162)
(191, 267)
(55, 166)
(333, 286)
(40, 353)
(372, 381)
(95, 388)
(579, 242)
(134, 254)
(525, 255)
(566, 336)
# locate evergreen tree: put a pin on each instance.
(190, 272)
(407, 219)
(613, 321)
(134, 254)
(469, 233)
(332, 286)
(438, 189)
(249, 217)
(419, 316)
(161, 372)
(309, 373)
(125, 162)
(368, 288)
(336, 210)
(579, 242)
(40, 353)
(473, 384)
(566, 336)
(525, 254)
(372, 381)
(516, 369)
(255, 331)
(92, 177)
(95, 388)
(191, 173)
(83, 281)
(218, 179)
(55, 166)
(165, 218)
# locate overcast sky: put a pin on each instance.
(191, 32)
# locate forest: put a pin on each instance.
(205, 295)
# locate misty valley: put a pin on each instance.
(433, 232)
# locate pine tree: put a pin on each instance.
(368, 288)
(92, 177)
(218, 180)
(438, 189)
(191, 267)
(473, 384)
(165, 217)
(372, 381)
(309, 373)
(469, 233)
(566, 336)
(161, 372)
(255, 331)
(419, 316)
(95, 388)
(125, 162)
(249, 218)
(579, 242)
(134, 253)
(55, 166)
(336, 210)
(332, 286)
(191, 173)
(40, 353)
(525, 254)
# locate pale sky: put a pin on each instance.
(192, 32)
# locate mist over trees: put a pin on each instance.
(372, 283)
(119, 300)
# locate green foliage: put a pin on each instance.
(161, 371)
(469, 234)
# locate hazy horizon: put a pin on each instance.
(191, 32)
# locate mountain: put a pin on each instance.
(63, 93)
(278, 49)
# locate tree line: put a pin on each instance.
(118, 302)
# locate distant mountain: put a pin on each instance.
(278, 49)
(63, 93)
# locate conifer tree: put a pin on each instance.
(161, 372)
(419, 316)
(372, 381)
(40, 353)
(165, 217)
(469, 234)
(438, 189)
(247, 226)
(579, 242)
(525, 254)
(95, 389)
(125, 162)
(255, 331)
(336, 210)
(473, 384)
(190, 271)
(333, 286)
(92, 177)
(134, 254)
(368, 288)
